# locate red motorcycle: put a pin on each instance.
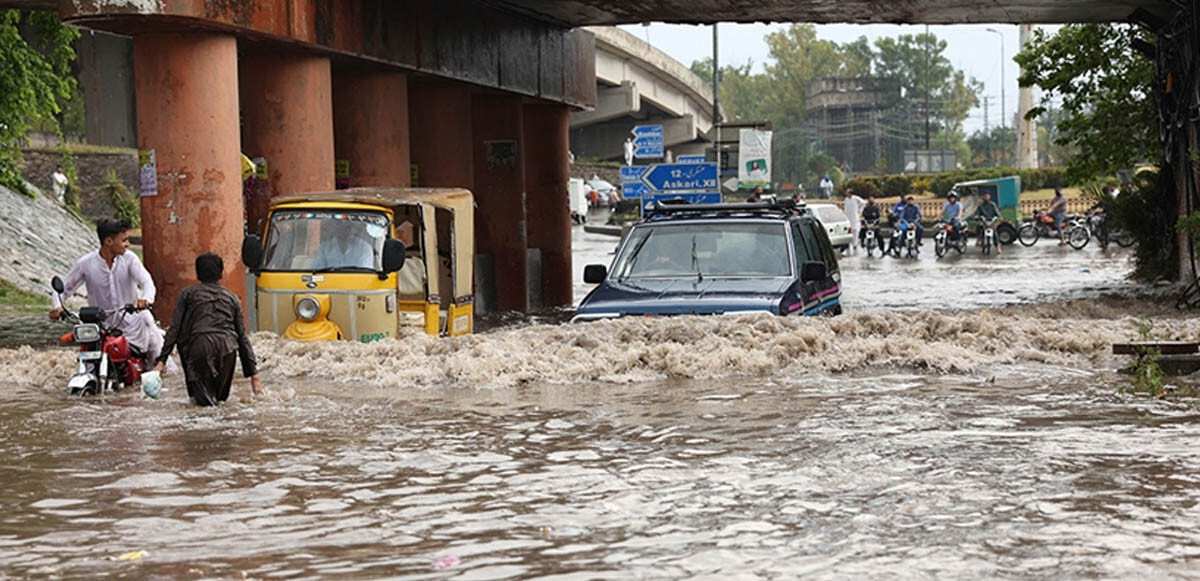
(107, 362)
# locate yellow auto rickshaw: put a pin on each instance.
(363, 263)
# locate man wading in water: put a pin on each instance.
(207, 325)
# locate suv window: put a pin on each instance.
(826, 251)
(802, 253)
(710, 249)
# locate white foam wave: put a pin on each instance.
(1075, 334)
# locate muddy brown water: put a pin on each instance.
(906, 439)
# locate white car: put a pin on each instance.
(836, 224)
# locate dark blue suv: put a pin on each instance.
(715, 259)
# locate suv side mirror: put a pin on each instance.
(57, 284)
(393, 255)
(813, 271)
(594, 273)
(252, 252)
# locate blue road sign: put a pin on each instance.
(634, 190)
(648, 130)
(690, 159)
(683, 177)
(631, 181)
(648, 151)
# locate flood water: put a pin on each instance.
(962, 420)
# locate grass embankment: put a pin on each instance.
(15, 299)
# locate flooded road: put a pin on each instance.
(917, 436)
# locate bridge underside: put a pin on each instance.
(611, 12)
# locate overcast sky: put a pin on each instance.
(970, 47)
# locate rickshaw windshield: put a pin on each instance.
(325, 241)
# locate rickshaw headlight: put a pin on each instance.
(308, 308)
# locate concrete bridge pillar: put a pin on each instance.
(287, 118)
(187, 111)
(370, 118)
(439, 117)
(497, 129)
(547, 211)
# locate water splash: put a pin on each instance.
(1074, 333)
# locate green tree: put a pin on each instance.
(919, 64)
(994, 147)
(34, 79)
(1105, 90)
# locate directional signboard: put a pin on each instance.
(631, 181)
(647, 141)
(691, 159)
(682, 177)
(695, 182)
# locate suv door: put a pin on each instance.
(821, 295)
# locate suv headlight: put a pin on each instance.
(87, 333)
(308, 308)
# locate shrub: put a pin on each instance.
(896, 185)
(863, 186)
(125, 204)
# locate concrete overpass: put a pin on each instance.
(636, 84)
(613, 12)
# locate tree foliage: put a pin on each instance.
(778, 94)
(1105, 90)
(35, 77)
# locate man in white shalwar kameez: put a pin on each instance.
(853, 205)
(114, 278)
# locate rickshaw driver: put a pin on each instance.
(346, 246)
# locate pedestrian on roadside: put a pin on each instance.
(852, 204)
(59, 182)
(208, 328)
(826, 187)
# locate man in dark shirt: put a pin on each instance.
(870, 214)
(987, 209)
(207, 325)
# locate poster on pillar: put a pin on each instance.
(341, 174)
(754, 152)
(147, 173)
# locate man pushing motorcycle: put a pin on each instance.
(115, 277)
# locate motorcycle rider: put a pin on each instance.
(114, 278)
(986, 209)
(912, 214)
(952, 212)
(870, 215)
(1058, 211)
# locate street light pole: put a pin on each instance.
(1003, 113)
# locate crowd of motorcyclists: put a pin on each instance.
(905, 214)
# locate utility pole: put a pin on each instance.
(1027, 151)
(716, 112)
(927, 87)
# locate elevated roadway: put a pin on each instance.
(637, 83)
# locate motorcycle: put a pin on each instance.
(1042, 224)
(107, 362)
(904, 237)
(947, 236)
(987, 234)
(1098, 223)
(872, 237)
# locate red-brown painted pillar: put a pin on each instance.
(497, 127)
(187, 113)
(287, 118)
(439, 130)
(547, 210)
(370, 126)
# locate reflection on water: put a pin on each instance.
(929, 441)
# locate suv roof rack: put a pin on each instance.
(667, 208)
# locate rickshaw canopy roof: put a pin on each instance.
(386, 196)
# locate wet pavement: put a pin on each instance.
(917, 436)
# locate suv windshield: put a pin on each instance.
(325, 241)
(701, 250)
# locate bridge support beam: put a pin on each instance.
(497, 129)
(611, 103)
(370, 115)
(439, 117)
(187, 113)
(287, 116)
(548, 214)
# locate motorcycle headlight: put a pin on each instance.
(87, 333)
(308, 308)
